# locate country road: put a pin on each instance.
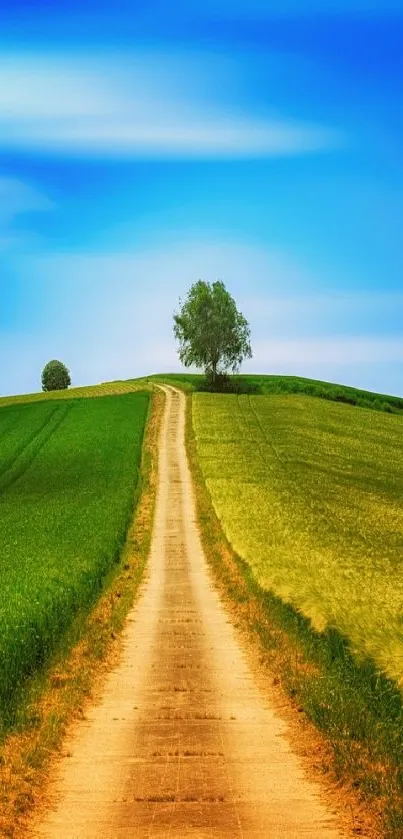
(182, 742)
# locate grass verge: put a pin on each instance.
(358, 711)
(75, 674)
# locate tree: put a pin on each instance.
(55, 376)
(212, 334)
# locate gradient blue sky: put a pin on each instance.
(143, 147)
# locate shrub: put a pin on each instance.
(227, 384)
(55, 376)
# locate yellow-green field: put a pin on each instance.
(105, 389)
(309, 493)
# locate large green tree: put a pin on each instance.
(55, 376)
(211, 332)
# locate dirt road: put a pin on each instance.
(182, 743)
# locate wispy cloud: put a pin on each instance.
(252, 272)
(343, 313)
(144, 106)
(332, 350)
(17, 198)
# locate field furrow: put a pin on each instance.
(26, 453)
(16, 436)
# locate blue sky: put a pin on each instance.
(142, 148)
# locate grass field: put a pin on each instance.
(68, 475)
(309, 493)
(264, 385)
(105, 389)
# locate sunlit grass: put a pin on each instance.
(68, 474)
(264, 385)
(106, 389)
(309, 493)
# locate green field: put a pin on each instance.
(68, 476)
(309, 493)
(105, 389)
(265, 385)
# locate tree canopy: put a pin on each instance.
(212, 333)
(55, 376)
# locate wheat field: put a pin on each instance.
(309, 493)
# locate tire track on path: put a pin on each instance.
(182, 742)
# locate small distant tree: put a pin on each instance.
(211, 332)
(55, 376)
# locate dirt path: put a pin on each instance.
(182, 743)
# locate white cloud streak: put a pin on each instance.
(338, 313)
(17, 198)
(333, 350)
(139, 108)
